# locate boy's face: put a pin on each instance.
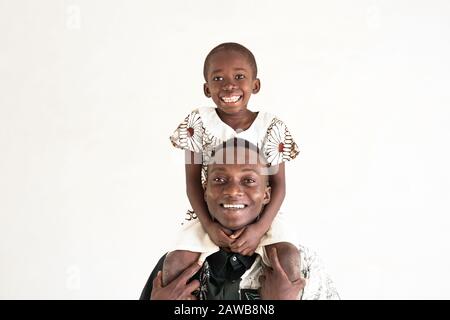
(230, 81)
(236, 193)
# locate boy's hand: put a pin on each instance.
(219, 235)
(247, 239)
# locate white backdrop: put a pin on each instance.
(91, 190)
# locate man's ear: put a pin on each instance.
(267, 195)
(256, 86)
(206, 90)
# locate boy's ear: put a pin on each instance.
(206, 90)
(256, 86)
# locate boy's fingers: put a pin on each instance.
(237, 233)
(238, 244)
(225, 238)
(226, 242)
(224, 235)
(226, 232)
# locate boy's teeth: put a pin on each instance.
(234, 206)
(231, 99)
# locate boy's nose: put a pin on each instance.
(229, 85)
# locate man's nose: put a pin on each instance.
(232, 189)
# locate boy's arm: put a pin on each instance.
(278, 185)
(195, 193)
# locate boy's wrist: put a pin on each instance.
(207, 223)
(262, 226)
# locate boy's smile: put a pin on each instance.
(230, 81)
(231, 99)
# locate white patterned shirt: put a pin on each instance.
(202, 131)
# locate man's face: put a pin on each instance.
(230, 81)
(236, 193)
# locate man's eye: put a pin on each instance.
(217, 79)
(249, 181)
(239, 77)
(219, 180)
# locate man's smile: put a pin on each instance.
(233, 206)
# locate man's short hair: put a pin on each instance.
(231, 46)
(221, 154)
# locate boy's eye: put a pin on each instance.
(217, 78)
(239, 77)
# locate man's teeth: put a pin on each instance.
(234, 206)
(231, 99)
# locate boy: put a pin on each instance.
(230, 73)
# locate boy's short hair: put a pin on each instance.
(231, 46)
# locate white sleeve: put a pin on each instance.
(319, 285)
(279, 145)
(189, 133)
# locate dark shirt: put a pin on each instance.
(221, 274)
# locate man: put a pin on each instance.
(241, 181)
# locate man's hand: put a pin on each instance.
(178, 289)
(247, 240)
(219, 235)
(275, 284)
